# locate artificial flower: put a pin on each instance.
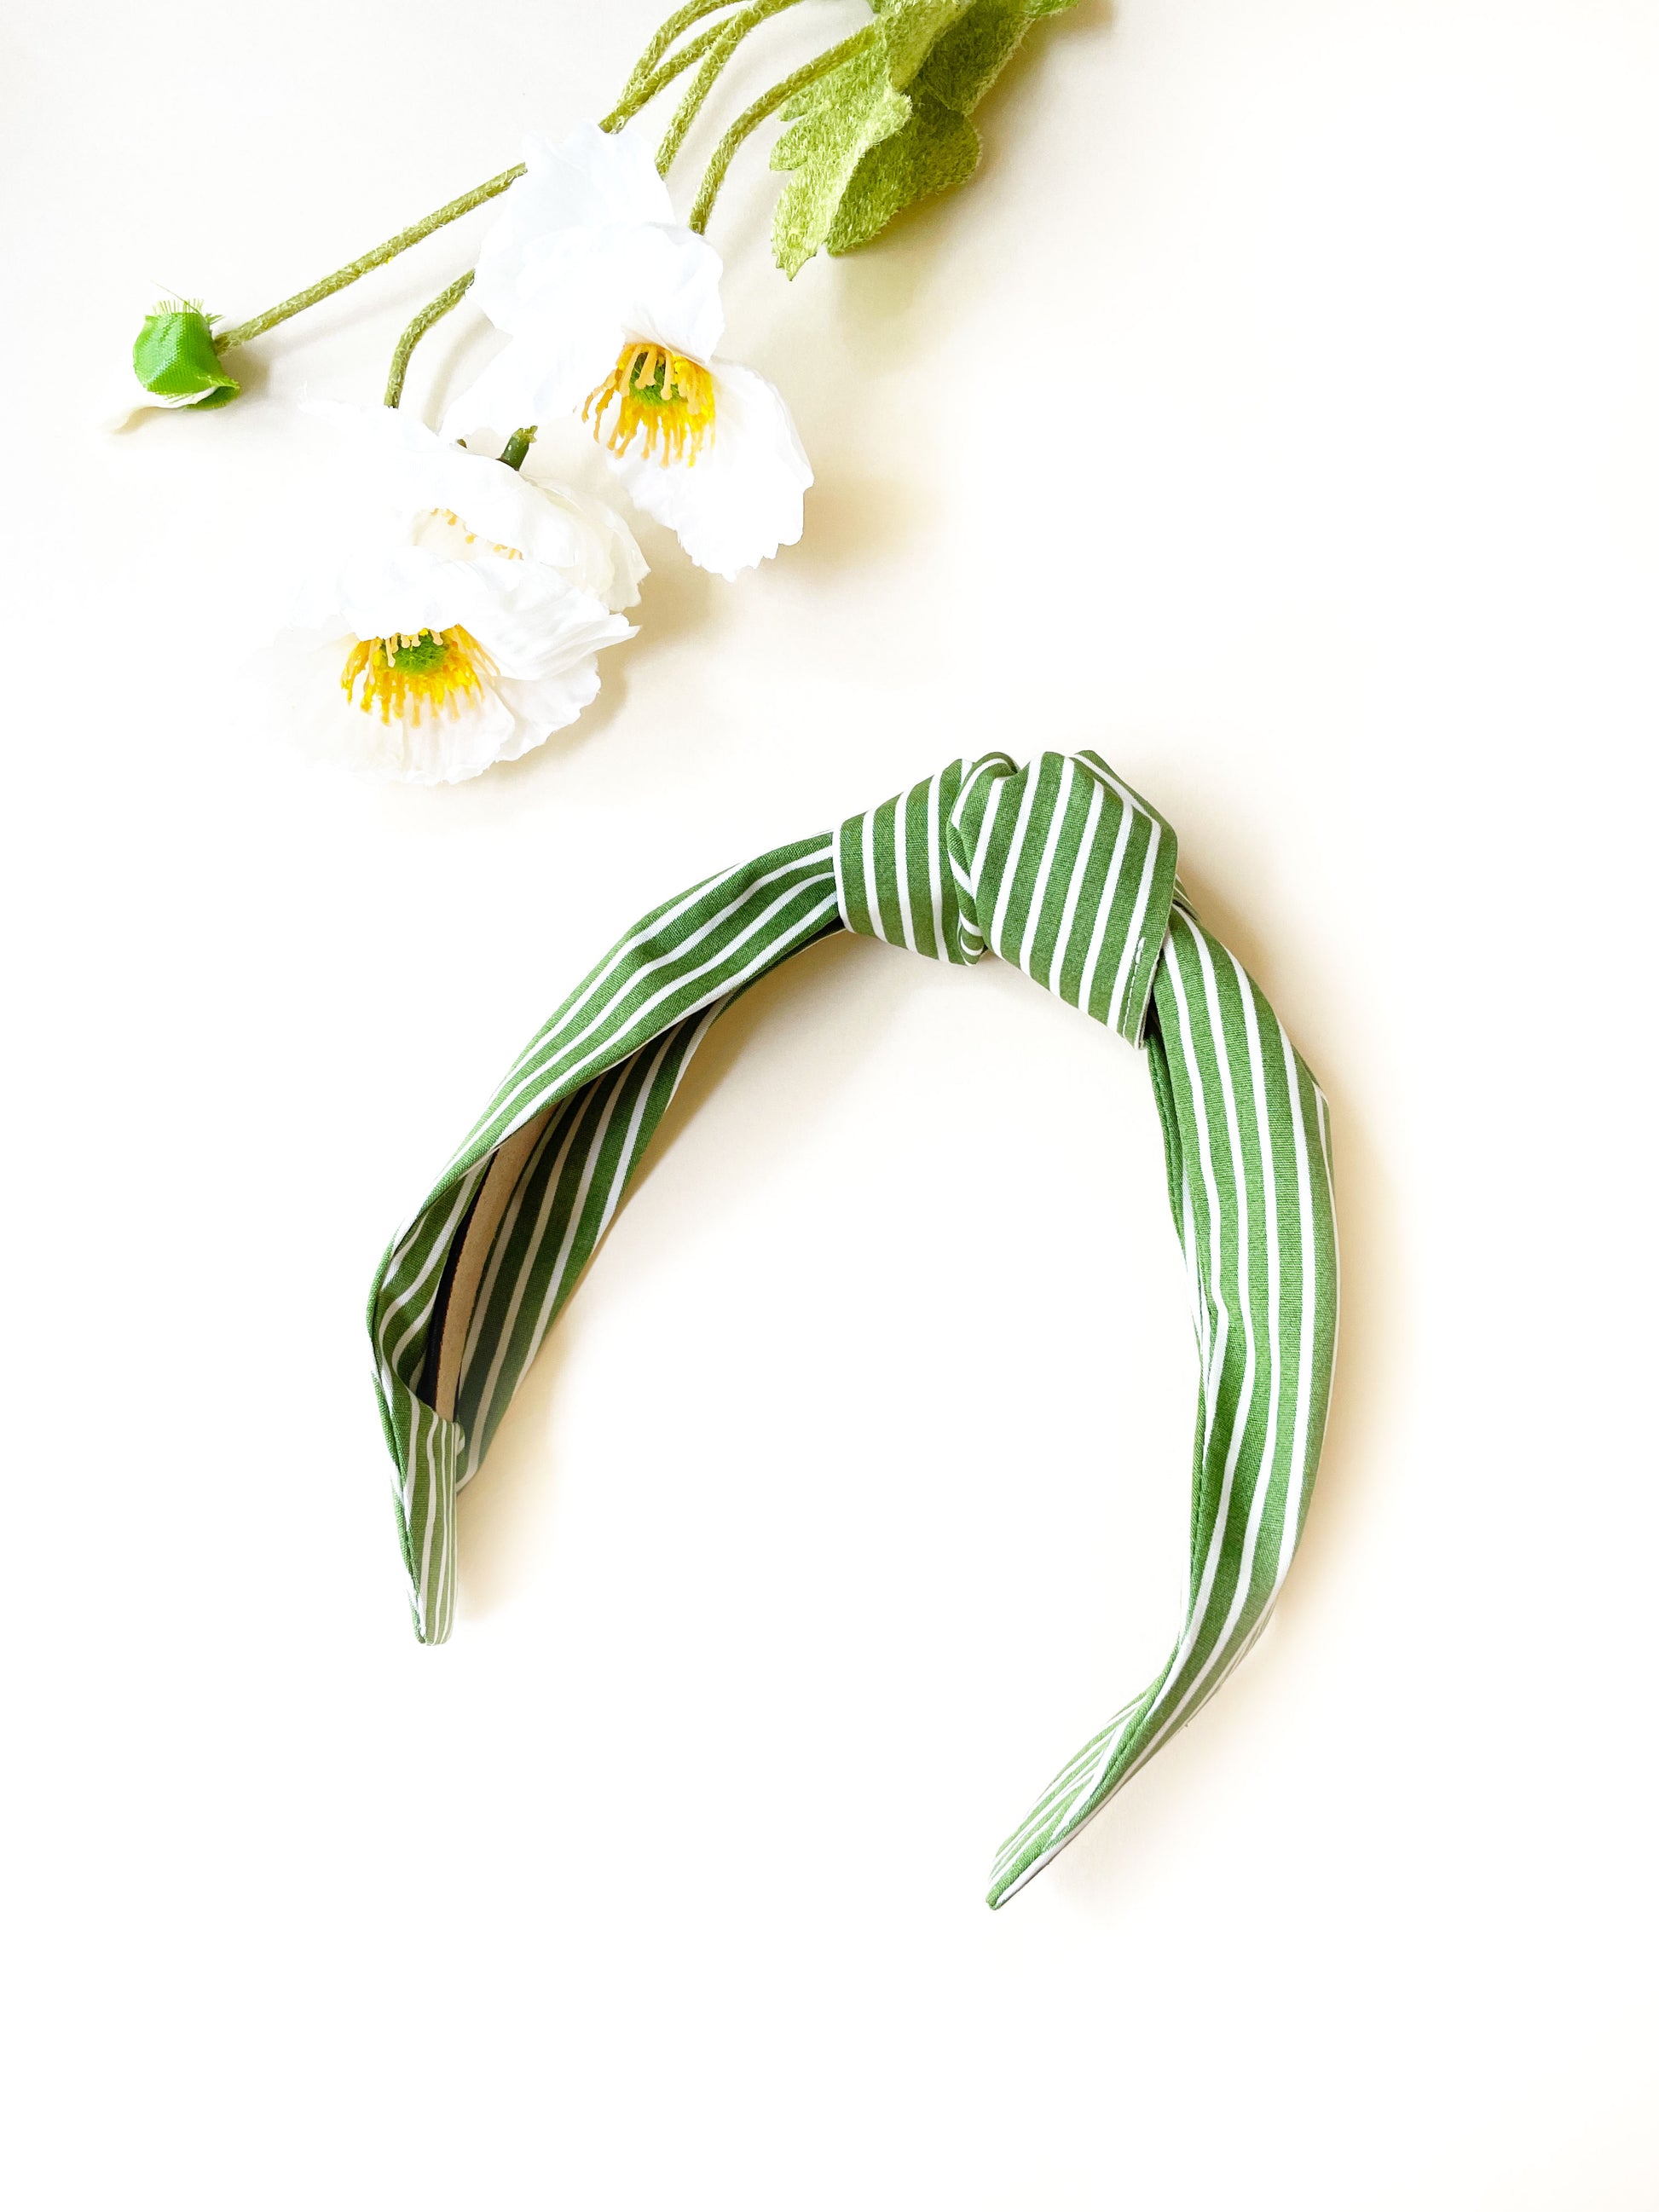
(431, 669)
(459, 498)
(612, 308)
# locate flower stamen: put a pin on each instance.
(450, 520)
(664, 396)
(405, 674)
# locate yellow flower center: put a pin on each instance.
(663, 395)
(403, 675)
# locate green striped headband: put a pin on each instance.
(1064, 870)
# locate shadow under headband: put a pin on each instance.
(1062, 869)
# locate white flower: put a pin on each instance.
(465, 631)
(612, 307)
(460, 497)
(431, 669)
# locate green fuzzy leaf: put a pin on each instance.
(937, 149)
(173, 356)
(967, 61)
(864, 153)
(836, 122)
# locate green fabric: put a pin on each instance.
(1063, 870)
(173, 356)
(891, 126)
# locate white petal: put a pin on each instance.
(549, 703)
(667, 284)
(534, 623)
(576, 297)
(742, 497)
(612, 565)
(545, 374)
(444, 748)
(594, 181)
(589, 178)
(503, 509)
(133, 399)
(384, 591)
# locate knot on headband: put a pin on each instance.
(1062, 869)
(952, 869)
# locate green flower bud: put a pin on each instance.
(174, 357)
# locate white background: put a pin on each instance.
(1276, 412)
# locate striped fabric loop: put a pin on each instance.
(950, 867)
(1062, 869)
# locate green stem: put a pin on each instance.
(721, 47)
(641, 93)
(433, 311)
(715, 174)
(518, 445)
(665, 34)
(257, 325)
